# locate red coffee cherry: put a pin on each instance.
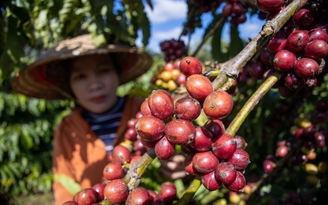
(180, 131)
(161, 104)
(150, 128)
(277, 43)
(139, 195)
(164, 149)
(240, 159)
(297, 40)
(225, 172)
(113, 170)
(284, 60)
(198, 87)
(218, 105)
(205, 162)
(216, 127)
(239, 183)
(293, 81)
(168, 192)
(86, 196)
(303, 17)
(306, 67)
(121, 154)
(190, 65)
(210, 182)
(203, 139)
(224, 146)
(316, 49)
(187, 108)
(270, 6)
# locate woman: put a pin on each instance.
(78, 70)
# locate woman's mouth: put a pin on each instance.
(99, 99)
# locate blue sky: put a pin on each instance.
(168, 16)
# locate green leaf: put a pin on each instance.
(236, 44)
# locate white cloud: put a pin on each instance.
(166, 10)
(168, 34)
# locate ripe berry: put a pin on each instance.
(203, 139)
(224, 146)
(218, 105)
(277, 43)
(297, 40)
(303, 17)
(121, 154)
(113, 170)
(150, 128)
(209, 181)
(216, 127)
(168, 192)
(257, 70)
(240, 159)
(316, 49)
(139, 195)
(225, 172)
(190, 65)
(198, 87)
(281, 151)
(86, 196)
(161, 104)
(318, 34)
(293, 82)
(205, 162)
(240, 141)
(164, 149)
(188, 165)
(70, 203)
(239, 183)
(284, 60)
(180, 131)
(99, 188)
(268, 165)
(187, 108)
(306, 67)
(144, 108)
(270, 6)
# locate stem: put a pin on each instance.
(136, 169)
(250, 104)
(190, 191)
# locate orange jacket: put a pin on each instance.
(79, 156)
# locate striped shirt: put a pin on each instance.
(106, 124)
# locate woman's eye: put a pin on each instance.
(104, 70)
(78, 76)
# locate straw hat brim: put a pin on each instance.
(45, 78)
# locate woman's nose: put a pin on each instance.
(94, 82)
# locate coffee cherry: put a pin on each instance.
(180, 131)
(285, 92)
(216, 127)
(293, 81)
(257, 70)
(297, 40)
(168, 192)
(209, 181)
(240, 159)
(164, 149)
(224, 146)
(303, 17)
(227, 10)
(139, 196)
(218, 105)
(121, 154)
(322, 105)
(113, 170)
(240, 141)
(187, 108)
(131, 134)
(277, 43)
(225, 173)
(316, 49)
(198, 87)
(203, 139)
(188, 165)
(281, 151)
(306, 67)
(268, 165)
(150, 128)
(270, 6)
(239, 183)
(86, 196)
(99, 188)
(190, 65)
(161, 104)
(157, 200)
(318, 34)
(284, 60)
(144, 108)
(205, 162)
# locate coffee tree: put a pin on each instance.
(251, 123)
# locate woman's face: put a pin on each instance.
(94, 82)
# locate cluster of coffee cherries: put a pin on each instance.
(168, 77)
(173, 49)
(235, 11)
(210, 152)
(299, 50)
(207, 5)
